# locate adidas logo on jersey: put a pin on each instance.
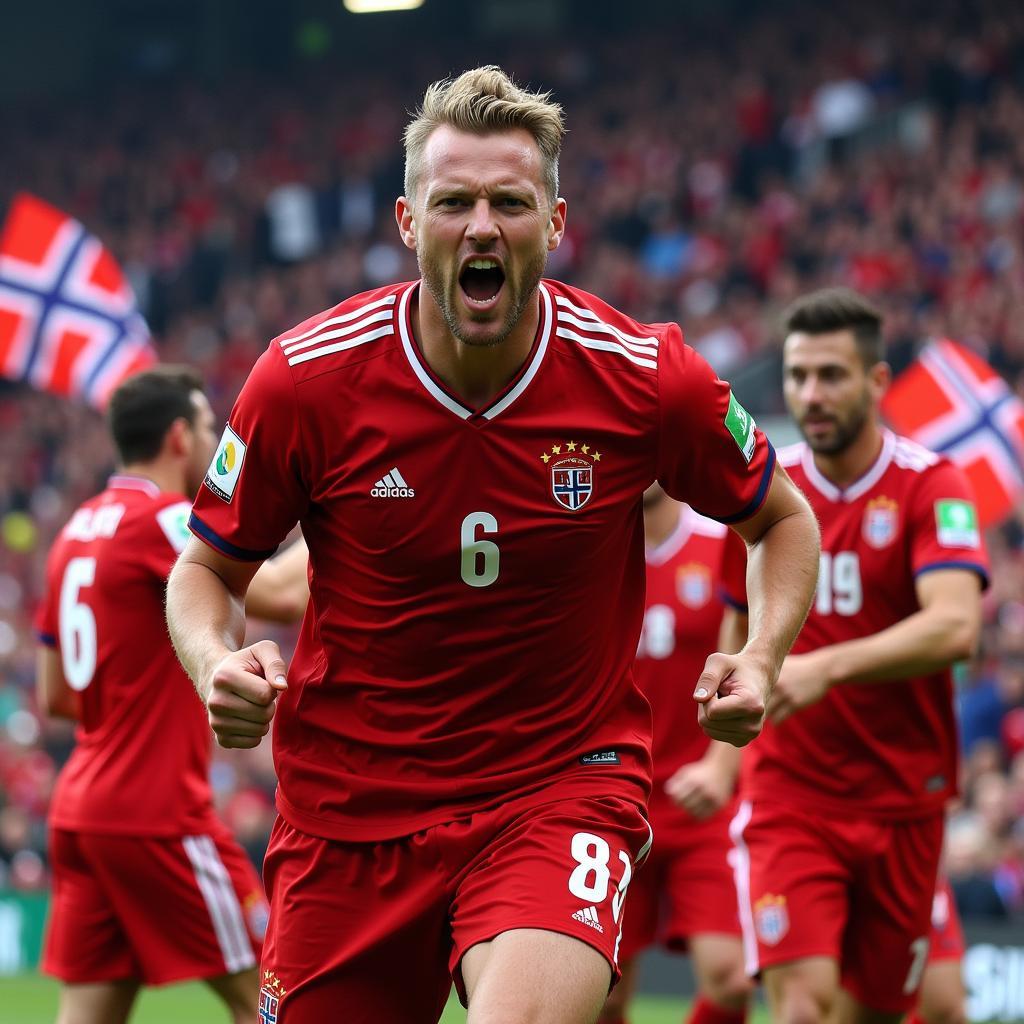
(588, 916)
(392, 485)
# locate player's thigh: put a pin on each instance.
(640, 922)
(942, 998)
(85, 943)
(887, 941)
(850, 1010)
(363, 926)
(792, 886)
(178, 903)
(107, 1002)
(239, 992)
(802, 991)
(564, 867)
(718, 965)
(533, 976)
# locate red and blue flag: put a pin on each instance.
(69, 322)
(951, 401)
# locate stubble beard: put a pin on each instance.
(847, 431)
(444, 297)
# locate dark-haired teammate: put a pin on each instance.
(149, 887)
(839, 833)
(463, 757)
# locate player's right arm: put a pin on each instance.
(206, 619)
(254, 493)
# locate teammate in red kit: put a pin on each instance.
(839, 833)
(149, 887)
(463, 757)
(685, 896)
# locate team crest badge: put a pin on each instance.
(572, 472)
(771, 919)
(693, 584)
(271, 995)
(881, 522)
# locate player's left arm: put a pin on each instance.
(53, 694)
(279, 592)
(945, 630)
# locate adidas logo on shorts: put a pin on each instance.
(588, 916)
(392, 485)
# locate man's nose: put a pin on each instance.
(482, 226)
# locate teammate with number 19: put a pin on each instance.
(840, 829)
(149, 886)
(463, 757)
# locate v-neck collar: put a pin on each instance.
(861, 485)
(673, 543)
(438, 391)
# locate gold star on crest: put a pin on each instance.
(556, 449)
(272, 983)
(546, 458)
(571, 446)
(585, 449)
(597, 456)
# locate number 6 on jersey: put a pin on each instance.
(480, 558)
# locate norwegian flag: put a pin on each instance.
(69, 322)
(951, 401)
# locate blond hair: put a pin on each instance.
(481, 101)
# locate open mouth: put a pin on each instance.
(481, 280)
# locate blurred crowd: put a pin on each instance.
(713, 173)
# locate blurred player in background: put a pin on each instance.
(463, 757)
(685, 896)
(149, 887)
(840, 829)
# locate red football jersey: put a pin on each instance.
(143, 744)
(680, 630)
(886, 748)
(477, 576)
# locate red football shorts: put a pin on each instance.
(685, 887)
(947, 934)
(378, 930)
(858, 890)
(155, 909)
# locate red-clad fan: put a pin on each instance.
(839, 833)
(462, 752)
(149, 887)
(692, 797)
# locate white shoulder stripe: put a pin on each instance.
(605, 346)
(790, 454)
(291, 347)
(912, 453)
(595, 323)
(355, 314)
(643, 346)
(340, 346)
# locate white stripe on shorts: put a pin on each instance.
(222, 903)
(740, 860)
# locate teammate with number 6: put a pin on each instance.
(463, 757)
(149, 886)
(838, 836)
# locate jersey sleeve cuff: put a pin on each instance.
(762, 492)
(46, 639)
(966, 566)
(225, 547)
(735, 603)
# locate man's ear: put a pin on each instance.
(178, 440)
(406, 222)
(556, 226)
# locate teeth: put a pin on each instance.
(483, 265)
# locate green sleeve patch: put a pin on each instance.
(956, 523)
(741, 425)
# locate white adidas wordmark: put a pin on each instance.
(392, 485)
(588, 916)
